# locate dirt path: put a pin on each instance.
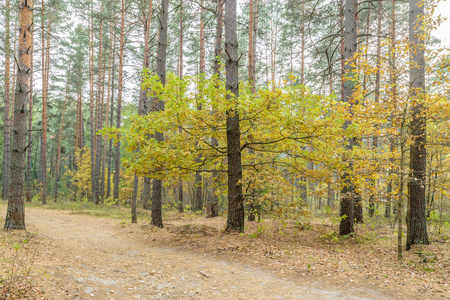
(87, 257)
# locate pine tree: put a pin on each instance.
(159, 106)
(235, 219)
(349, 195)
(15, 216)
(417, 219)
(6, 119)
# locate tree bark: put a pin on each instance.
(417, 221)
(133, 199)
(91, 94)
(6, 121)
(180, 73)
(43, 157)
(145, 105)
(58, 150)
(377, 96)
(159, 136)
(212, 206)
(349, 195)
(29, 176)
(198, 201)
(142, 108)
(15, 215)
(393, 83)
(302, 59)
(111, 118)
(235, 219)
(99, 116)
(108, 103)
(251, 78)
(119, 101)
(341, 25)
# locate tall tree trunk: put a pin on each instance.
(15, 215)
(364, 83)
(302, 56)
(143, 107)
(235, 219)
(58, 150)
(400, 193)
(99, 113)
(91, 95)
(273, 50)
(108, 103)
(143, 94)
(111, 117)
(45, 78)
(133, 199)
(341, 25)
(251, 78)
(30, 126)
(393, 83)
(159, 136)
(349, 195)
(198, 203)
(6, 121)
(78, 126)
(377, 95)
(202, 40)
(180, 73)
(11, 104)
(417, 221)
(212, 206)
(119, 101)
(159, 105)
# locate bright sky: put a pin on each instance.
(443, 32)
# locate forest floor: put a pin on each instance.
(77, 254)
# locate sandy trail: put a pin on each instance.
(87, 257)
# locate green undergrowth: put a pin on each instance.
(107, 210)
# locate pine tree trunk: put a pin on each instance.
(40, 181)
(159, 136)
(144, 101)
(45, 76)
(58, 150)
(108, 103)
(341, 25)
(15, 216)
(99, 111)
(133, 199)
(119, 101)
(417, 221)
(91, 96)
(180, 73)
(111, 117)
(393, 83)
(251, 78)
(302, 61)
(235, 219)
(29, 176)
(13, 95)
(212, 208)
(198, 203)
(349, 195)
(400, 196)
(377, 96)
(6, 121)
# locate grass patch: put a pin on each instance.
(119, 212)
